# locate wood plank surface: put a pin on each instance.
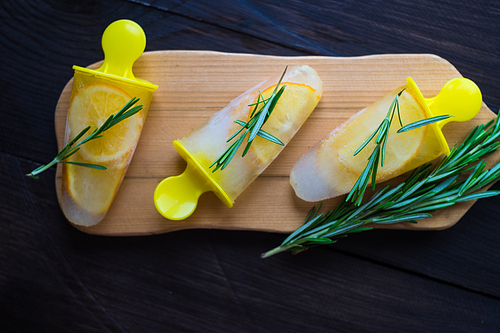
(56, 278)
(194, 85)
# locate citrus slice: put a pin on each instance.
(292, 110)
(92, 190)
(91, 107)
(400, 148)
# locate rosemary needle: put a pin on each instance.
(424, 191)
(72, 147)
(261, 112)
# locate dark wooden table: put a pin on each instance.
(55, 278)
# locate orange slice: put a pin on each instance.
(400, 149)
(91, 107)
(292, 110)
(94, 190)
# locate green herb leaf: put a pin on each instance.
(424, 191)
(378, 155)
(88, 165)
(72, 147)
(263, 109)
(423, 122)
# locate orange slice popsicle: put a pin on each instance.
(87, 194)
(330, 168)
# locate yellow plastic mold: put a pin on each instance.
(176, 197)
(123, 42)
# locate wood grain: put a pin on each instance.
(60, 279)
(195, 84)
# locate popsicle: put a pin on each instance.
(176, 197)
(330, 169)
(96, 95)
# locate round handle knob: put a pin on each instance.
(460, 98)
(123, 42)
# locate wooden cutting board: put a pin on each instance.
(195, 84)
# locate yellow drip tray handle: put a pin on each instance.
(176, 197)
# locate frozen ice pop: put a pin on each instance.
(176, 197)
(87, 193)
(330, 169)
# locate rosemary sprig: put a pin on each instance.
(72, 147)
(378, 155)
(423, 192)
(262, 110)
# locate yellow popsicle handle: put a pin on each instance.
(459, 97)
(123, 42)
(176, 197)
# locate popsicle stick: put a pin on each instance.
(195, 84)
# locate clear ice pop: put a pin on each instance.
(176, 197)
(87, 193)
(330, 169)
